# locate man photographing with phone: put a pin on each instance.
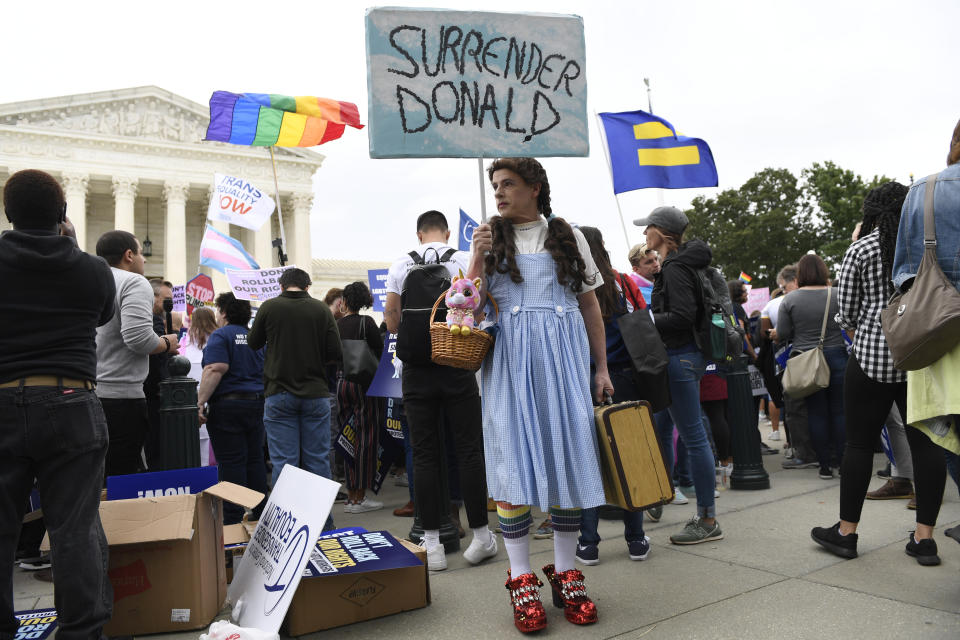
(52, 426)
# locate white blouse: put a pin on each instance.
(531, 236)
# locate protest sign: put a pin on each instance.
(757, 299)
(280, 548)
(358, 552)
(465, 231)
(386, 382)
(180, 298)
(161, 483)
(199, 292)
(256, 284)
(470, 84)
(378, 287)
(37, 624)
(238, 202)
(757, 386)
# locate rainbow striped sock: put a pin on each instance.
(515, 521)
(565, 519)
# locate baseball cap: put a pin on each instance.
(667, 218)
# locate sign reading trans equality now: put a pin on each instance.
(470, 84)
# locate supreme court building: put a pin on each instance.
(134, 159)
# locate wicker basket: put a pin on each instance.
(462, 352)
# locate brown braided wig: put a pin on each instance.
(560, 242)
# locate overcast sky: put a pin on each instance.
(766, 84)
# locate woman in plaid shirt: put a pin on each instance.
(871, 383)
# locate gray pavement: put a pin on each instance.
(766, 579)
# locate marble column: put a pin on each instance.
(176, 194)
(124, 194)
(75, 189)
(298, 234)
(261, 244)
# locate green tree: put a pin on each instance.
(758, 228)
(836, 195)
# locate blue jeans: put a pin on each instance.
(685, 369)
(624, 390)
(58, 436)
(825, 410)
(298, 434)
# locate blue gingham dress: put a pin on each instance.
(539, 438)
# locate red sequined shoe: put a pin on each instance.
(570, 593)
(528, 612)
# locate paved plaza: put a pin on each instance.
(766, 579)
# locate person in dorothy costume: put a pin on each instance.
(538, 427)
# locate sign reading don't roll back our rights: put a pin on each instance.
(470, 84)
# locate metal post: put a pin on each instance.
(180, 439)
(748, 471)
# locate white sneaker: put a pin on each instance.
(679, 498)
(716, 494)
(774, 436)
(365, 505)
(478, 552)
(436, 558)
(348, 507)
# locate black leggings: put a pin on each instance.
(716, 411)
(866, 404)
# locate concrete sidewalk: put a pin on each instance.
(766, 579)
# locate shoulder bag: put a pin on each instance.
(647, 354)
(359, 363)
(923, 324)
(809, 372)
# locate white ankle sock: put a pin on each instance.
(518, 551)
(481, 535)
(431, 538)
(564, 549)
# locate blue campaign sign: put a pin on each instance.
(161, 483)
(386, 382)
(377, 279)
(36, 624)
(467, 225)
(472, 84)
(367, 551)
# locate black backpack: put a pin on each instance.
(425, 282)
(716, 333)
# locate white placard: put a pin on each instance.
(238, 202)
(279, 549)
(256, 284)
(471, 84)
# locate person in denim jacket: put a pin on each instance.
(946, 211)
(906, 263)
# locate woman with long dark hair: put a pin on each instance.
(538, 427)
(353, 403)
(617, 296)
(801, 321)
(872, 384)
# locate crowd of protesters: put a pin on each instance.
(272, 388)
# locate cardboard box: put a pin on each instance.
(166, 559)
(351, 578)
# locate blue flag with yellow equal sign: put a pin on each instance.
(645, 152)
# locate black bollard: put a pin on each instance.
(180, 436)
(449, 535)
(748, 471)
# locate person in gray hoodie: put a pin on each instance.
(123, 348)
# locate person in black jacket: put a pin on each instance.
(676, 307)
(52, 425)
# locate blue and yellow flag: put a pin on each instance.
(645, 152)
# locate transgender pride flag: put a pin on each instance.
(221, 252)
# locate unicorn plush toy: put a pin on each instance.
(462, 299)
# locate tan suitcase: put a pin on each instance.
(631, 461)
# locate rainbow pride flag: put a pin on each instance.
(269, 119)
(745, 278)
